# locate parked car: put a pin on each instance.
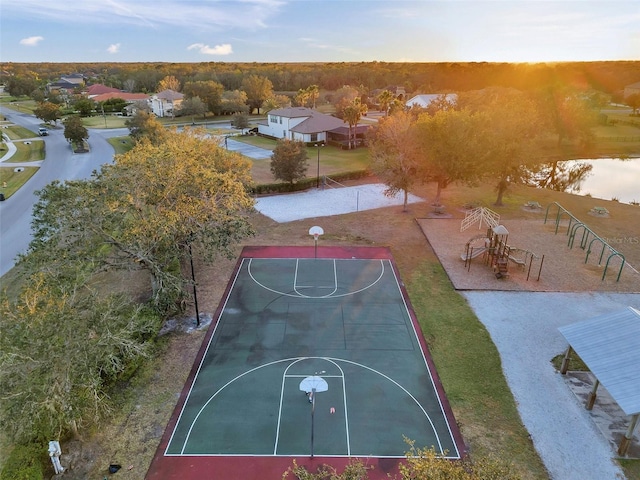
(43, 132)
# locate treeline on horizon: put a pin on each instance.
(606, 76)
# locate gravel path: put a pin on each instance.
(327, 202)
(524, 328)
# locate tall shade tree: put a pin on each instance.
(274, 102)
(258, 89)
(510, 138)
(147, 208)
(208, 91)
(62, 344)
(569, 113)
(449, 147)
(394, 154)
(169, 83)
(144, 125)
(234, 101)
(48, 112)
(192, 107)
(289, 160)
(352, 114)
(74, 131)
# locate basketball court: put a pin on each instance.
(314, 354)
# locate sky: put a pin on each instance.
(319, 30)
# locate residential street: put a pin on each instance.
(60, 164)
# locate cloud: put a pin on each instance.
(224, 49)
(31, 41)
(114, 48)
(245, 14)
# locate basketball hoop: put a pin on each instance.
(316, 231)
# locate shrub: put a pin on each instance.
(26, 462)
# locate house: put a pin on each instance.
(127, 97)
(632, 89)
(424, 100)
(299, 123)
(99, 89)
(166, 103)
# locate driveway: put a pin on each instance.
(247, 150)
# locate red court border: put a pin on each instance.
(271, 467)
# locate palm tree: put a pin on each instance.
(352, 114)
(385, 98)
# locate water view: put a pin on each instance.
(609, 178)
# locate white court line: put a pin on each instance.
(296, 286)
(344, 397)
(329, 359)
(299, 295)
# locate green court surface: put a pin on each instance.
(283, 320)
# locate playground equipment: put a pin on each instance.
(497, 253)
(574, 226)
(480, 214)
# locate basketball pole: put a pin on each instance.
(315, 241)
(313, 409)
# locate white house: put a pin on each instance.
(166, 103)
(632, 89)
(423, 101)
(299, 123)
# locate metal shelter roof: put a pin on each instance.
(610, 346)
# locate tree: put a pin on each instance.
(448, 147)
(344, 97)
(48, 112)
(568, 114)
(144, 125)
(84, 106)
(313, 92)
(240, 121)
(20, 85)
(258, 89)
(289, 160)
(169, 83)
(301, 97)
(144, 210)
(191, 107)
(233, 101)
(352, 114)
(633, 101)
(510, 138)
(275, 102)
(394, 154)
(62, 345)
(209, 92)
(74, 131)
(385, 99)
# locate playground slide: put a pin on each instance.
(475, 253)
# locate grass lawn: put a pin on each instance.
(16, 132)
(332, 159)
(121, 144)
(13, 179)
(32, 151)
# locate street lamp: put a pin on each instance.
(193, 279)
(318, 145)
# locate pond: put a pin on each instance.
(608, 178)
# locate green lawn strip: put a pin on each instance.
(121, 144)
(16, 132)
(28, 152)
(107, 121)
(13, 179)
(470, 369)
